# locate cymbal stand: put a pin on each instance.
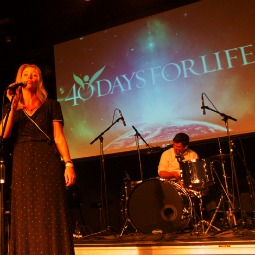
(104, 218)
(126, 219)
(231, 215)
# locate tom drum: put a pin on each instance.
(197, 174)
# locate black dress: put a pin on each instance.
(39, 212)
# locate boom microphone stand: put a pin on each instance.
(225, 119)
(137, 134)
(100, 137)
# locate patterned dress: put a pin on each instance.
(39, 212)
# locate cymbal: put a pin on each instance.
(153, 150)
(219, 156)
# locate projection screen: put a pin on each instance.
(154, 72)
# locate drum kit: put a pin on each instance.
(160, 206)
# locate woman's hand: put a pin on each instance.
(70, 175)
(14, 93)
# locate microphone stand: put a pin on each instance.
(100, 137)
(225, 119)
(137, 134)
(2, 179)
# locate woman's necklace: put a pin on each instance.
(30, 109)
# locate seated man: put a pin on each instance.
(171, 159)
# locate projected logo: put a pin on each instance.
(85, 89)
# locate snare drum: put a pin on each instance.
(197, 174)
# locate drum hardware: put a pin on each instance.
(123, 207)
(230, 212)
(126, 224)
(200, 226)
(214, 216)
(226, 190)
(129, 186)
(124, 227)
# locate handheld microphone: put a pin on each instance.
(203, 104)
(22, 84)
(122, 118)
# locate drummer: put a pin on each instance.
(171, 159)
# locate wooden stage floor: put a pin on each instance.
(238, 241)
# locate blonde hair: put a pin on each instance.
(41, 93)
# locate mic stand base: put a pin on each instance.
(106, 232)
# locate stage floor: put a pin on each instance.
(237, 241)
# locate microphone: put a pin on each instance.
(136, 130)
(122, 118)
(179, 156)
(22, 84)
(203, 104)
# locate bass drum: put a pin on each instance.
(159, 206)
